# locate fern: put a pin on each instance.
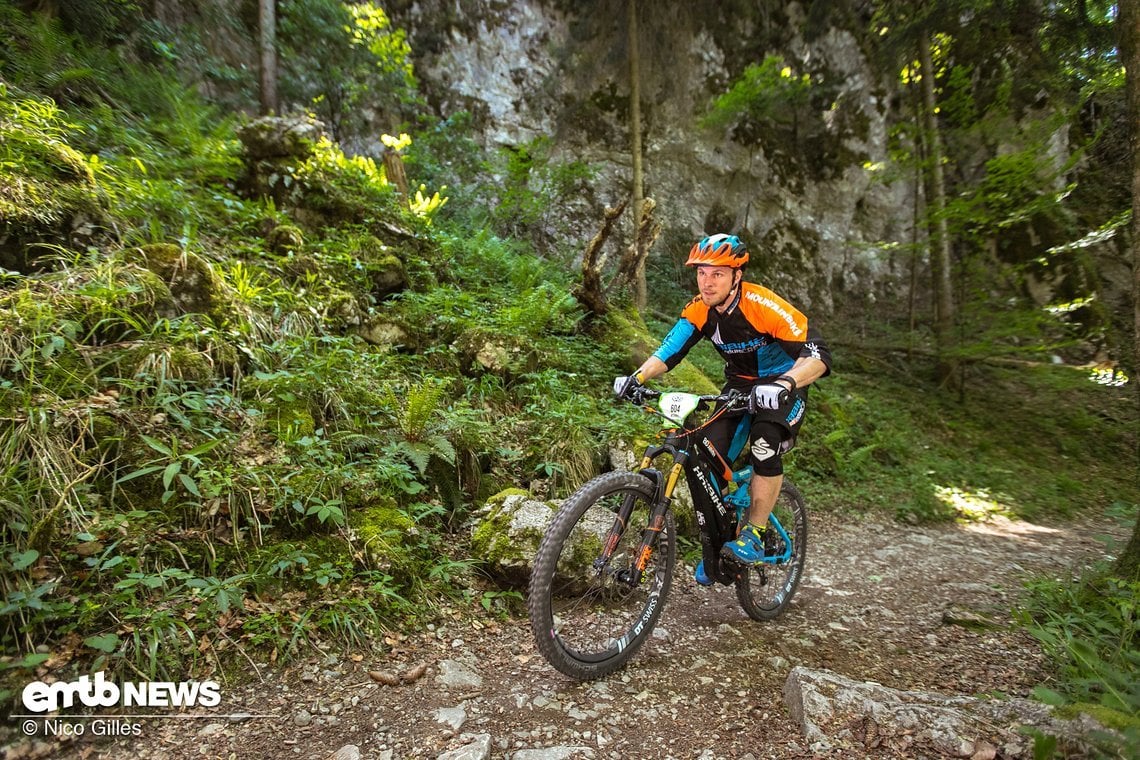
(419, 455)
(416, 410)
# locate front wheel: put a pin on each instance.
(590, 609)
(765, 589)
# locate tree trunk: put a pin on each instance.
(394, 171)
(1128, 25)
(944, 316)
(591, 292)
(640, 296)
(267, 29)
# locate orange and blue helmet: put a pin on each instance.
(718, 251)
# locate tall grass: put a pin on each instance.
(1090, 629)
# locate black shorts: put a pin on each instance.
(771, 432)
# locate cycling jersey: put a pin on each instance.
(760, 335)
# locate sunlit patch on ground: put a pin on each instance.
(973, 506)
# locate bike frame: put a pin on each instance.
(708, 477)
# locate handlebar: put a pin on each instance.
(733, 400)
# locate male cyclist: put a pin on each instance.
(770, 352)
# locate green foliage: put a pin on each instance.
(177, 467)
(38, 54)
(346, 189)
(444, 153)
(1090, 628)
(767, 95)
(879, 435)
(534, 188)
(104, 21)
(42, 178)
(338, 56)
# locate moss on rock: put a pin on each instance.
(507, 537)
(624, 330)
(285, 239)
(291, 419)
(194, 287)
(385, 269)
(384, 530)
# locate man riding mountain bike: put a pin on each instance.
(770, 353)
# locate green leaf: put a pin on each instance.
(189, 483)
(139, 473)
(168, 474)
(33, 659)
(29, 661)
(24, 560)
(108, 642)
(1048, 696)
(203, 447)
(158, 446)
(1044, 746)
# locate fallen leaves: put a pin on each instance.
(384, 677)
(411, 675)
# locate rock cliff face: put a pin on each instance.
(801, 197)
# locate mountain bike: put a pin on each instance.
(604, 567)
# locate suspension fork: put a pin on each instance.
(621, 517)
(655, 525)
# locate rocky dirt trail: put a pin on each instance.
(880, 602)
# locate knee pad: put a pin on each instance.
(766, 457)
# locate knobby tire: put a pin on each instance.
(588, 621)
(765, 590)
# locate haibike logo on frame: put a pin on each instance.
(98, 692)
(707, 486)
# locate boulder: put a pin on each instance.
(835, 712)
(507, 534)
(276, 137)
(194, 287)
(502, 355)
(285, 239)
(385, 335)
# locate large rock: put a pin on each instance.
(510, 527)
(272, 147)
(503, 355)
(274, 137)
(834, 711)
(194, 287)
(529, 70)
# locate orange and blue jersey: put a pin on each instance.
(760, 335)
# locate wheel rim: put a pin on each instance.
(597, 613)
(771, 585)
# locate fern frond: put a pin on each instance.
(419, 454)
(442, 448)
(419, 406)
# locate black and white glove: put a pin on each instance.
(770, 395)
(624, 385)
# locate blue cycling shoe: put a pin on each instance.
(748, 546)
(702, 579)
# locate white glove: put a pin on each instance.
(769, 396)
(624, 384)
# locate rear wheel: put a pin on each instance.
(590, 613)
(765, 589)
